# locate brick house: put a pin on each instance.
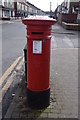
(21, 9)
(7, 9)
(70, 13)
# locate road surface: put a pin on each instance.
(13, 42)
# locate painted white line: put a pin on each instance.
(6, 74)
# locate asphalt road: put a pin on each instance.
(13, 42)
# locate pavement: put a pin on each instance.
(9, 21)
(63, 87)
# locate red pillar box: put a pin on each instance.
(38, 60)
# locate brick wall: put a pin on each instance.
(69, 18)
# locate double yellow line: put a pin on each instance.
(18, 66)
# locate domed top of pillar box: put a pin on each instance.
(38, 20)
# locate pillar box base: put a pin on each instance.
(38, 100)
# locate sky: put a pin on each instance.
(45, 4)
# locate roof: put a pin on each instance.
(33, 6)
(24, 3)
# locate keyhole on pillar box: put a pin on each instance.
(44, 41)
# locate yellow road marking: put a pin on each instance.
(5, 88)
(20, 64)
(5, 75)
(10, 80)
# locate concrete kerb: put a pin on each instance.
(12, 106)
